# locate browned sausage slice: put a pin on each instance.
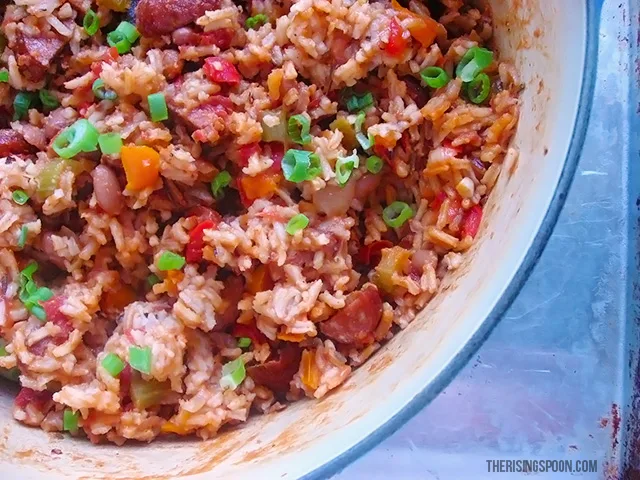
(162, 17)
(355, 323)
(231, 294)
(12, 143)
(36, 53)
(276, 374)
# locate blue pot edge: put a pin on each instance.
(417, 403)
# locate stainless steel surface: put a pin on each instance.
(545, 383)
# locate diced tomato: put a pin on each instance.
(277, 154)
(471, 222)
(221, 105)
(220, 70)
(27, 396)
(383, 152)
(83, 107)
(193, 252)
(55, 316)
(204, 213)
(455, 207)
(125, 381)
(397, 44)
(371, 254)
(221, 38)
(250, 331)
(437, 202)
(245, 152)
(110, 56)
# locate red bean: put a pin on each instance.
(107, 189)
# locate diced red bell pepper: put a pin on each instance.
(277, 154)
(220, 70)
(371, 254)
(438, 201)
(471, 222)
(383, 152)
(249, 331)
(27, 396)
(55, 316)
(193, 251)
(397, 44)
(246, 151)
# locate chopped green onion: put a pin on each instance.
(140, 359)
(153, 279)
(298, 129)
(21, 104)
(110, 143)
(70, 421)
(4, 353)
(22, 238)
(256, 21)
(478, 90)
(300, 165)
(39, 312)
(344, 167)
(222, 180)
(48, 100)
(112, 364)
(129, 31)
(360, 118)
(79, 137)
(158, 107)
(118, 40)
(20, 197)
(30, 295)
(473, 62)
(91, 22)
(365, 141)
(243, 342)
(170, 261)
(298, 222)
(396, 214)
(374, 164)
(101, 92)
(233, 373)
(4, 76)
(356, 103)
(435, 77)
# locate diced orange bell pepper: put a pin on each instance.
(174, 277)
(115, 300)
(310, 373)
(260, 186)
(141, 166)
(178, 424)
(259, 280)
(291, 337)
(393, 260)
(423, 29)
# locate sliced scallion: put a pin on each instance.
(140, 359)
(473, 62)
(243, 342)
(344, 167)
(435, 77)
(233, 373)
(396, 214)
(298, 128)
(70, 421)
(355, 103)
(153, 279)
(374, 164)
(4, 76)
(22, 238)
(170, 261)
(300, 165)
(256, 21)
(20, 197)
(129, 31)
(82, 136)
(118, 40)
(21, 104)
(100, 91)
(158, 107)
(48, 100)
(110, 143)
(478, 90)
(91, 22)
(219, 183)
(298, 222)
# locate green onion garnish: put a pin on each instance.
(219, 183)
(473, 62)
(243, 342)
(158, 107)
(344, 167)
(298, 222)
(20, 197)
(374, 164)
(478, 90)
(4, 76)
(79, 137)
(22, 238)
(153, 279)
(435, 77)
(21, 104)
(233, 373)
(396, 214)
(100, 91)
(112, 364)
(256, 21)
(31, 295)
(70, 421)
(365, 141)
(110, 143)
(91, 22)
(300, 165)
(48, 100)
(4, 353)
(129, 31)
(170, 261)
(118, 40)
(356, 103)
(140, 359)
(298, 128)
